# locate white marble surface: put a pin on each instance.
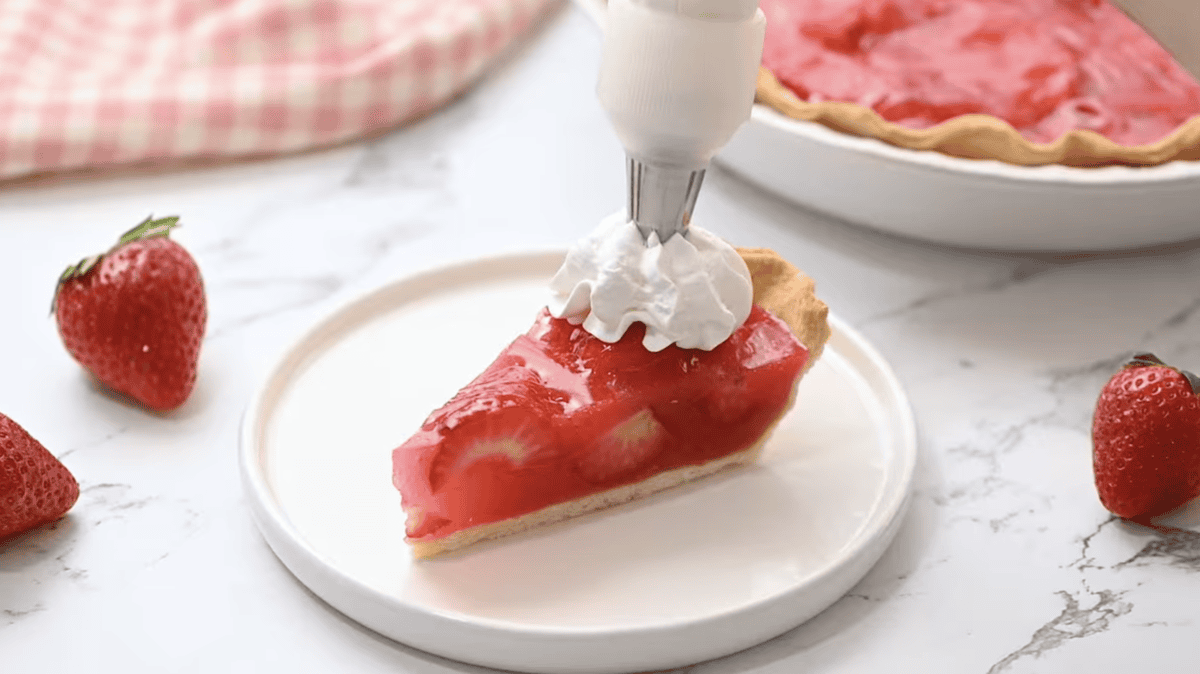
(1006, 563)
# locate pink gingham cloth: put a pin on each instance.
(87, 83)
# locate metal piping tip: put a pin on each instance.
(661, 198)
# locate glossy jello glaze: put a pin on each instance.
(1044, 66)
(560, 415)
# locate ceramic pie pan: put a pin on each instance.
(961, 202)
(687, 575)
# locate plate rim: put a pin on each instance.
(280, 532)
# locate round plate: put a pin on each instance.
(690, 574)
(962, 202)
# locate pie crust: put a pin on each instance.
(981, 136)
(784, 291)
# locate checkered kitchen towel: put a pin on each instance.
(105, 82)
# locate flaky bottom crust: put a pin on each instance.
(569, 509)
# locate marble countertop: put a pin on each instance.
(1005, 564)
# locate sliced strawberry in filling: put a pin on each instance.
(561, 415)
(629, 445)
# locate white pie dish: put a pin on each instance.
(961, 202)
(688, 575)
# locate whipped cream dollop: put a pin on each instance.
(693, 290)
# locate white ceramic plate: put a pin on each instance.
(962, 202)
(687, 575)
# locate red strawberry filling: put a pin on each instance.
(1045, 66)
(561, 415)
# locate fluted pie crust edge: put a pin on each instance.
(981, 136)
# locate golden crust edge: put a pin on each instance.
(780, 288)
(981, 136)
(790, 295)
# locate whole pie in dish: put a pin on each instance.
(1029, 82)
(562, 423)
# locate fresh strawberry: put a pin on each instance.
(628, 446)
(1146, 439)
(134, 316)
(34, 487)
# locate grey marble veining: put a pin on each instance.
(1075, 622)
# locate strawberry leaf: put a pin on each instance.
(149, 228)
(1145, 360)
(1193, 381)
(77, 270)
(1151, 360)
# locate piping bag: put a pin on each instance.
(677, 79)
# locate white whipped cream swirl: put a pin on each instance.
(692, 291)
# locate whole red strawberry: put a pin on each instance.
(34, 487)
(1146, 439)
(134, 316)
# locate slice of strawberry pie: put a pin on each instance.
(563, 423)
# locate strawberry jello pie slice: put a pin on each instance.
(1028, 82)
(565, 422)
